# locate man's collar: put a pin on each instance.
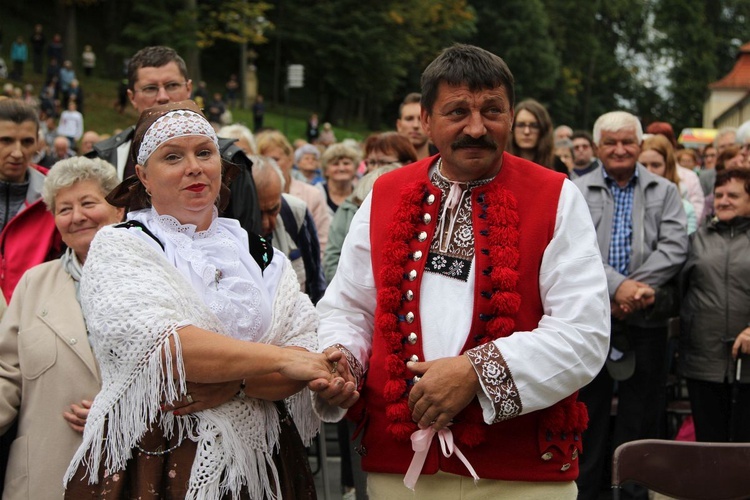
(610, 180)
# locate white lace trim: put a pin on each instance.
(134, 301)
(174, 124)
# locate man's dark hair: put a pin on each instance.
(582, 134)
(154, 57)
(466, 65)
(414, 97)
(739, 173)
(13, 110)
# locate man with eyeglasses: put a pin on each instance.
(158, 75)
(584, 154)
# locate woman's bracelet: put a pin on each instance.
(241, 392)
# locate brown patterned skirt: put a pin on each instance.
(145, 476)
(166, 476)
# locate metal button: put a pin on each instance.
(414, 358)
(430, 199)
(417, 255)
(565, 467)
(422, 236)
(409, 295)
(410, 317)
(73, 341)
(416, 378)
(547, 456)
(575, 453)
(412, 338)
(427, 218)
(412, 275)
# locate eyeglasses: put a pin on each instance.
(379, 162)
(533, 126)
(153, 90)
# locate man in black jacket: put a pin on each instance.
(158, 75)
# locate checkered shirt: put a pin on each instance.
(622, 224)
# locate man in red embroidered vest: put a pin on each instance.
(471, 304)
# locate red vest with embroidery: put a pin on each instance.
(539, 446)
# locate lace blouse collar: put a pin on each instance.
(171, 226)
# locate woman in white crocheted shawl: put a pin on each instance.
(180, 296)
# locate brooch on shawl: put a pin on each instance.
(499, 210)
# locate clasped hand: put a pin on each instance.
(341, 388)
(631, 296)
(445, 387)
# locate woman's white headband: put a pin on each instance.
(179, 123)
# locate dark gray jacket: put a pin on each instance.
(243, 205)
(659, 243)
(716, 304)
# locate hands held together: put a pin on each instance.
(631, 296)
(444, 388)
(339, 388)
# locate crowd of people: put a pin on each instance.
(187, 299)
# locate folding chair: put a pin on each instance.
(685, 470)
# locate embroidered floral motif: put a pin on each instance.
(497, 381)
(456, 268)
(438, 262)
(461, 242)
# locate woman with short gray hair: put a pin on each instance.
(339, 163)
(48, 374)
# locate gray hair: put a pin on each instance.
(306, 149)
(264, 165)
(340, 150)
(725, 131)
(239, 131)
(614, 121)
(743, 133)
(66, 173)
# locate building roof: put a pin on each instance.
(739, 77)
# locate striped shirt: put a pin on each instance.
(622, 224)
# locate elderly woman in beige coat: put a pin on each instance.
(48, 375)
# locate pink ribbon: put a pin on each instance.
(420, 443)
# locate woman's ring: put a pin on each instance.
(189, 398)
(335, 365)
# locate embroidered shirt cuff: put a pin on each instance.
(355, 367)
(500, 399)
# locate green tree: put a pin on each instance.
(701, 38)
(155, 22)
(518, 31)
(596, 43)
(354, 63)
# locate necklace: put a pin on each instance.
(158, 451)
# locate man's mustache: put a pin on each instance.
(465, 141)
